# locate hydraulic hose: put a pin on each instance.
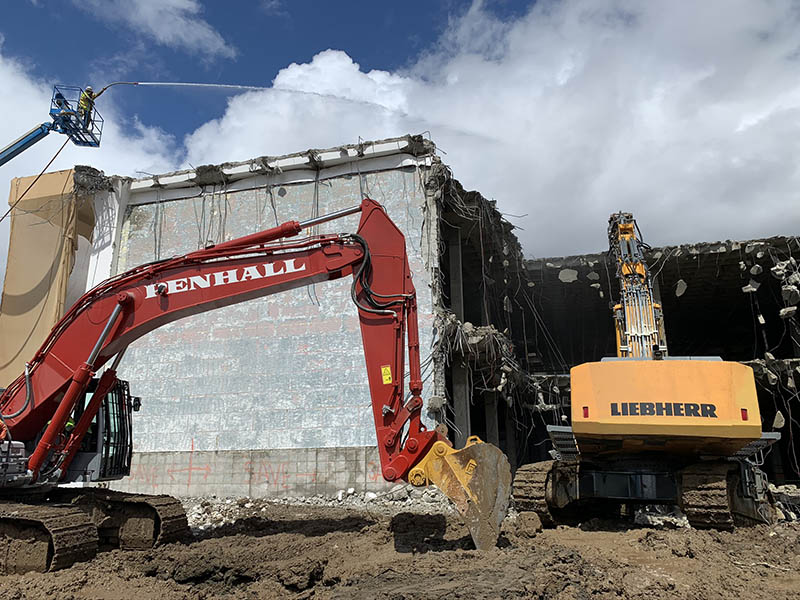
(28, 396)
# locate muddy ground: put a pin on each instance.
(280, 551)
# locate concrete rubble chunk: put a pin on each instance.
(568, 275)
(398, 492)
(771, 377)
(788, 312)
(756, 270)
(88, 181)
(661, 517)
(436, 402)
(680, 288)
(791, 294)
(779, 270)
(593, 276)
(751, 287)
(528, 524)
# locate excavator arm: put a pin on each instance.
(638, 318)
(101, 325)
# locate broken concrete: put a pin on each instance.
(88, 181)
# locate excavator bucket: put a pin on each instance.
(476, 478)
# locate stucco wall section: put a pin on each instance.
(286, 371)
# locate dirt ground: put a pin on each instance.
(279, 551)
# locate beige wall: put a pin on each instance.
(41, 253)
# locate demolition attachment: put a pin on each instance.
(476, 478)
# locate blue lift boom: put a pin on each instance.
(84, 128)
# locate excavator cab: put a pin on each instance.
(105, 451)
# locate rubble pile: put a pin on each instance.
(210, 512)
(787, 501)
(661, 516)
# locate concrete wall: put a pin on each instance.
(284, 372)
(258, 473)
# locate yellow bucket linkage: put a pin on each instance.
(477, 478)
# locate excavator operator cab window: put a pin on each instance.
(118, 439)
(105, 451)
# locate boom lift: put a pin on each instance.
(648, 428)
(60, 382)
(83, 130)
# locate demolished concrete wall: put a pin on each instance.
(725, 299)
(482, 310)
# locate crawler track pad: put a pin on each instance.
(477, 479)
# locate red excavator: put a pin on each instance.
(61, 423)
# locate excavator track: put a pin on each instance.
(71, 525)
(704, 495)
(172, 524)
(44, 537)
(132, 521)
(530, 487)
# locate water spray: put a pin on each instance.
(183, 84)
(252, 88)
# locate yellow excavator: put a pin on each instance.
(648, 428)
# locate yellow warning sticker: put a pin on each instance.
(386, 373)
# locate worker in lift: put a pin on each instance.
(86, 105)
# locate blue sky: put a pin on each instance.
(64, 43)
(562, 111)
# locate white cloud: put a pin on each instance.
(274, 8)
(122, 151)
(172, 23)
(687, 114)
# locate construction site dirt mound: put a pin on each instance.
(290, 551)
